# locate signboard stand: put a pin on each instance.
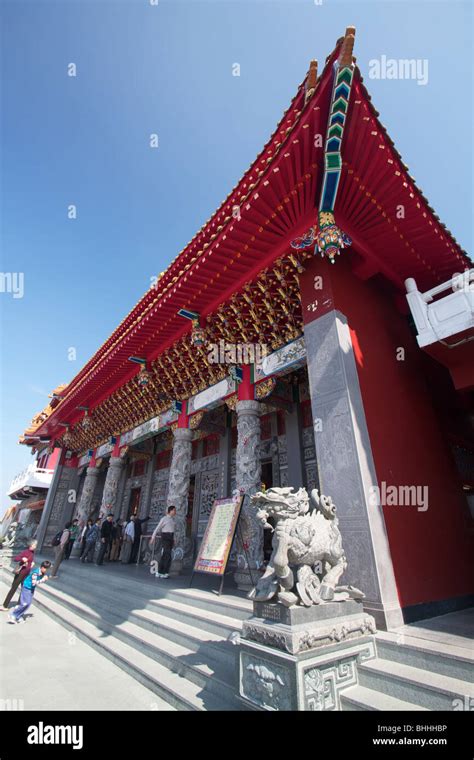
(230, 524)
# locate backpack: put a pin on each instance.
(57, 539)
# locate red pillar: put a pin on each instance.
(183, 419)
(245, 389)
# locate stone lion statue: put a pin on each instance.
(306, 543)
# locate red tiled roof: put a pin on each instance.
(277, 198)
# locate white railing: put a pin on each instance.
(31, 477)
(449, 315)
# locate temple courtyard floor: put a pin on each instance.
(46, 667)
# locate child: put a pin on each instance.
(33, 579)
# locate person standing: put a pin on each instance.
(82, 538)
(138, 532)
(90, 540)
(106, 537)
(32, 580)
(73, 533)
(61, 550)
(165, 529)
(26, 559)
(127, 543)
(116, 540)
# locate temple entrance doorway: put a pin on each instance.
(267, 481)
(134, 504)
(267, 473)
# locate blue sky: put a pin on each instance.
(167, 69)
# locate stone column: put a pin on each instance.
(248, 481)
(112, 479)
(47, 509)
(294, 450)
(180, 472)
(84, 506)
(346, 465)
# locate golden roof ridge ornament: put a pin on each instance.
(345, 55)
(311, 80)
(328, 239)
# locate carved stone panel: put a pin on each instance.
(61, 508)
(158, 497)
(312, 475)
(323, 684)
(209, 488)
(265, 683)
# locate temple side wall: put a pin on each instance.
(60, 504)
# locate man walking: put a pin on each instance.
(25, 558)
(33, 579)
(106, 537)
(137, 522)
(165, 529)
(91, 537)
(61, 550)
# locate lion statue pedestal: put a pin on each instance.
(301, 648)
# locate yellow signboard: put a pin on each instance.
(217, 542)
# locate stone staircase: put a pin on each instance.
(174, 640)
(412, 673)
(171, 640)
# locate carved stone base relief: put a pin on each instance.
(265, 683)
(297, 639)
(273, 680)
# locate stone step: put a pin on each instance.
(198, 664)
(179, 692)
(172, 614)
(212, 622)
(404, 682)
(360, 698)
(184, 632)
(187, 635)
(233, 606)
(445, 659)
(77, 575)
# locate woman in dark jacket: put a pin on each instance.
(26, 559)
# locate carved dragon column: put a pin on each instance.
(178, 489)
(84, 506)
(111, 485)
(248, 481)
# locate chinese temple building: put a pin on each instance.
(310, 334)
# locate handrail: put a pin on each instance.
(457, 282)
(30, 470)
